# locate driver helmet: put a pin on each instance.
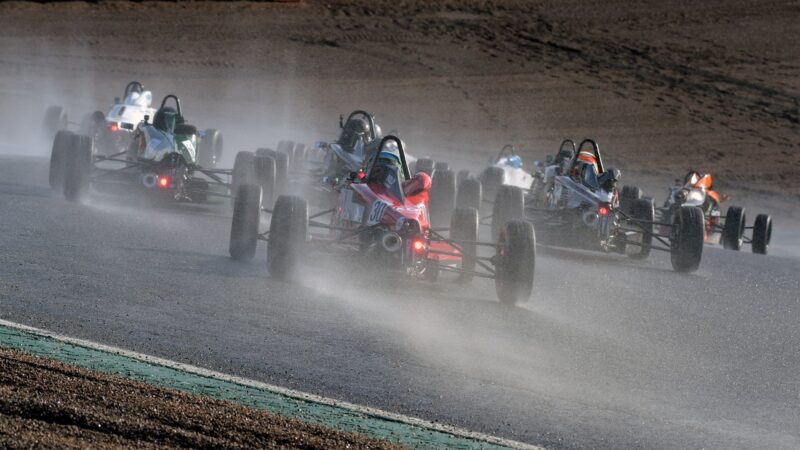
(353, 129)
(586, 157)
(160, 119)
(514, 161)
(388, 158)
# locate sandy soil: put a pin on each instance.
(48, 404)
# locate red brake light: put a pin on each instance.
(113, 127)
(603, 211)
(418, 245)
(163, 182)
(362, 175)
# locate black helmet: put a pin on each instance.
(160, 119)
(354, 129)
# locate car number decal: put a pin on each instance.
(376, 214)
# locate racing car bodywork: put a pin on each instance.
(381, 214)
(161, 159)
(579, 207)
(696, 189)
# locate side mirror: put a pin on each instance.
(419, 183)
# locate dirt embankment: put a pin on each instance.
(53, 405)
(663, 85)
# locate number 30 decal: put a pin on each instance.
(376, 214)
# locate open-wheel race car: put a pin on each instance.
(579, 207)
(381, 215)
(505, 170)
(162, 159)
(696, 189)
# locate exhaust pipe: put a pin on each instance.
(391, 242)
(149, 179)
(590, 218)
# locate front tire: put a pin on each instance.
(210, 149)
(78, 168)
(643, 212)
(287, 236)
(686, 239)
(470, 194)
(424, 165)
(515, 262)
(508, 205)
(464, 231)
(58, 154)
(55, 119)
(733, 230)
(627, 197)
(244, 224)
(442, 197)
(243, 172)
(762, 234)
(492, 179)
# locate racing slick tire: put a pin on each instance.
(92, 124)
(733, 230)
(209, 151)
(442, 197)
(440, 165)
(470, 193)
(515, 262)
(61, 145)
(462, 175)
(281, 167)
(643, 212)
(288, 148)
(299, 160)
(686, 239)
(264, 167)
(762, 234)
(244, 225)
(492, 179)
(243, 173)
(55, 119)
(508, 205)
(287, 236)
(424, 165)
(628, 195)
(464, 231)
(77, 168)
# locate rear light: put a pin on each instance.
(418, 245)
(163, 182)
(113, 127)
(361, 175)
(603, 211)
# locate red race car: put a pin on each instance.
(382, 215)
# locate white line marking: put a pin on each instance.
(367, 410)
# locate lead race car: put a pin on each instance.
(162, 160)
(579, 207)
(381, 216)
(697, 189)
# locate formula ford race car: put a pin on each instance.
(382, 216)
(579, 207)
(505, 170)
(162, 160)
(696, 189)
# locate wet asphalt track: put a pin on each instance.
(609, 353)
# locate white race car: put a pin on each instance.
(505, 170)
(111, 132)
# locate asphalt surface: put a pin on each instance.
(609, 353)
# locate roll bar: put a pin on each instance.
(369, 118)
(133, 86)
(177, 103)
(400, 149)
(595, 150)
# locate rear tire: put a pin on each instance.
(61, 145)
(462, 175)
(55, 119)
(464, 227)
(643, 210)
(264, 167)
(470, 194)
(762, 234)
(281, 167)
(440, 165)
(515, 262)
(288, 148)
(209, 152)
(243, 173)
(78, 168)
(508, 205)
(299, 160)
(287, 236)
(733, 230)
(244, 225)
(686, 239)
(424, 165)
(628, 195)
(491, 179)
(442, 197)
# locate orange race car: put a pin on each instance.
(697, 190)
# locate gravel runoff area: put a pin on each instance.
(49, 404)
